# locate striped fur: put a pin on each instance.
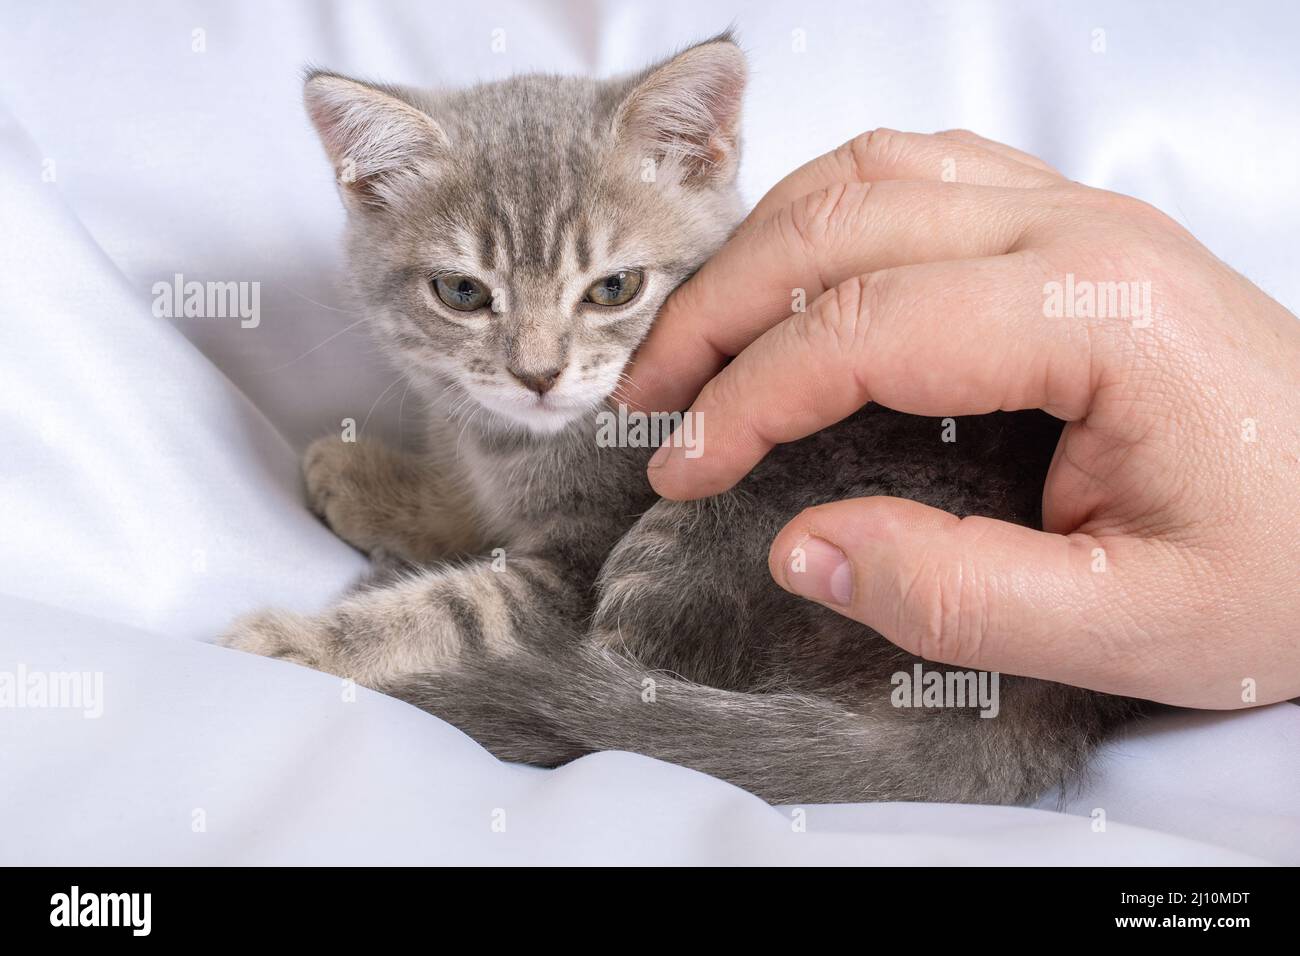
(528, 585)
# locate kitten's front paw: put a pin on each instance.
(330, 468)
(279, 634)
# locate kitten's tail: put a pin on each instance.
(784, 747)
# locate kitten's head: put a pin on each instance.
(516, 239)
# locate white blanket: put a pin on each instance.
(148, 474)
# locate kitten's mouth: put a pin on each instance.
(552, 404)
(544, 414)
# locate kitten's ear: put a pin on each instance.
(685, 113)
(377, 141)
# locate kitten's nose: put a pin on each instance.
(539, 382)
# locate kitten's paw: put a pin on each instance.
(330, 468)
(385, 503)
(284, 636)
(324, 467)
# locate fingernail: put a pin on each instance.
(818, 570)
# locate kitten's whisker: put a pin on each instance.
(443, 391)
(625, 379)
(346, 328)
(617, 392)
(459, 405)
(400, 406)
(461, 434)
(362, 429)
(323, 305)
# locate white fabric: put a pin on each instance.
(148, 474)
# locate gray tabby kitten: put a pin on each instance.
(511, 244)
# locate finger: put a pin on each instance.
(971, 592)
(763, 275)
(1002, 149)
(949, 338)
(888, 154)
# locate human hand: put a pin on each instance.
(1171, 511)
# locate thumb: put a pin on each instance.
(972, 592)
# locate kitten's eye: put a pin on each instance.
(616, 289)
(461, 292)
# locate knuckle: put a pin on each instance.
(801, 220)
(809, 218)
(1153, 224)
(864, 152)
(815, 219)
(845, 316)
(849, 156)
(944, 611)
(1124, 206)
(1132, 206)
(836, 317)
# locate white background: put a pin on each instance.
(148, 476)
